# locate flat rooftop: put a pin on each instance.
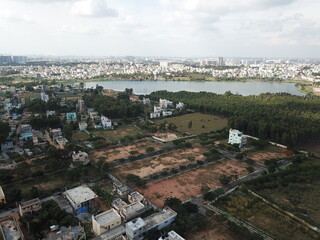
(136, 196)
(119, 203)
(11, 230)
(136, 224)
(133, 207)
(106, 217)
(157, 218)
(81, 194)
(113, 234)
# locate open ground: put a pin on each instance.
(248, 208)
(270, 152)
(157, 164)
(201, 123)
(189, 184)
(117, 134)
(136, 149)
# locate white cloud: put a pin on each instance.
(93, 8)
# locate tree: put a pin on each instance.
(190, 125)
(225, 180)
(4, 131)
(34, 192)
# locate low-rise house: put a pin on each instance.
(157, 109)
(119, 204)
(164, 103)
(10, 229)
(71, 233)
(135, 229)
(72, 116)
(82, 157)
(166, 113)
(61, 141)
(30, 206)
(106, 122)
(134, 99)
(160, 220)
(155, 115)
(132, 210)
(135, 197)
(56, 132)
(51, 113)
(81, 198)
(7, 146)
(146, 101)
(237, 137)
(44, 97)
(25, 131)
(172, 235)
(83, 126)
(105, 221)
(180, 105)
(2, 197)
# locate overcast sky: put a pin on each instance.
(229, 28)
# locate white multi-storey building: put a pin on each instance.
(237, 137)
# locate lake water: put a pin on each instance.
(243, 88)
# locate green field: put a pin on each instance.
(201, 123)
(248, 208)
(117, 134)
(81, 136)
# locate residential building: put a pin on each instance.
(30, 206)
(166, 113)
(135, 197)
(44, 97)
(51, 113)
(10, 229)
(25, 131)
(81, 198)
(72, 116)
(180, 105)
(237, 137)
(81, 105)
(134, 99)
(155, 115)
(135, 229)
(132, 210)
(56, 132)
(119, 204)
(71, 233)
(105, 221)
(82, 157)
(106, 122)
(156, 109)
(146, 101)
(83, 126)
(160, 220)
(164, 103)
(172, 235)
(2, 197)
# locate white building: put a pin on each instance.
(164, 64)
(156, 109)
(81, 198)
(237, 137)
(106, 122)
(132, 210)
(146, 101)
(81, 157)
(135, 229)
(172, 235)
(160, 220)
(164, 103)
(44, 97)
(155, 115)
(83, 126)
(105, 221)
(180, 105)
(166, 113)
(81, 105)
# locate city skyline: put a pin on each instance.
(246, 28)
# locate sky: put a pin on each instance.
(181, 28)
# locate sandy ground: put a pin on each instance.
(124, 152)
(167, 137)
(214, 232)
(158, 164)
(188, 184)
(262, 156)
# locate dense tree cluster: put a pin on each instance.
(279, 117)
(113, 107)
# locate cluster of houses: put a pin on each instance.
(165, 108)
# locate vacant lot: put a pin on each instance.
(168, 136)
(125, 151)
(201, 123)
(270, 152)
(81, 136)
(258, 213)
(117, 134)
(149, 166)
(189, 184)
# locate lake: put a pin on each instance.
(243, 88)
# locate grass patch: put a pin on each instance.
(117, 134)
(79, 135)
(201, 123)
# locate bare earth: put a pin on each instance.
(124, 152)
(188, 184)
(167, 137)
(160, 163)
(262, 156)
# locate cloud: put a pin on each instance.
(93, 8)
(15, 18)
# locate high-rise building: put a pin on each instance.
(220, 61)
(5, 59)
(19, 59)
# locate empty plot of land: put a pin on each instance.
(117, 134)
(168, 136)
(79, 135)
(271, 152)
(149, 166)
(126, 151)
(188, 184)
(196, 123)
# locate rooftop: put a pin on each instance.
(81, 194)
(136, 196)
(106, 217)
(136, 224)
(11, 229)
(157, 218)
(133, 207)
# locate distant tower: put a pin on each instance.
(220, 61)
